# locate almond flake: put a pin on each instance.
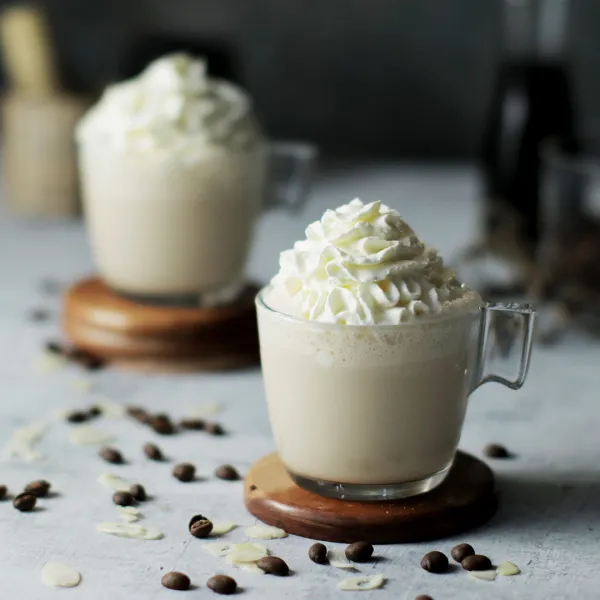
(222, 527)
(265, 532)
(130, 530)
(357, 584)
(218, 548)
(113, 482)
(483, 575)
(55, 574)
(338, 560)
(507, 569)
(130, 514)
(86, 435)
(246, 553)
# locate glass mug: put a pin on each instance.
(375, 412)
(170, 233)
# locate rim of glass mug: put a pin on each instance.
(484, 310)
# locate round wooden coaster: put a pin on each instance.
(465, 500)
(158, 338)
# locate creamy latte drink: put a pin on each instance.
(173, 171)
(368, 347)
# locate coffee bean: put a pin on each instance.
(153, 452)
(3, 492)
(461, 551)
(39, 488)
(318, 554)
(95, 411)
(123, 499)
(24, 502)
(78, 416)
(227, 472)
(359, 551)
(138, 492)
(111, 455)
(222, 584)
(214, 429)
(139, 414)
(200, 526)
(435, 562)
(476, 562)
(88, 361)
(162, 424)
(38, 315)
(184, 472)
(192, 424)
(273, 565)
(496, 451)
(55, 348)
(423, 597)
(176, 581)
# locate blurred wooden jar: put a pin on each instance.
(39, 162)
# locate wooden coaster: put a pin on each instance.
(157, 338)
(465, 500)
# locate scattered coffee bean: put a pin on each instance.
(359, 551)
(176, 581)
(162, 424)
(139, 414)
(39, 488)
(461, 551)
(138, 491)
(3, 492)
(435, 562)
(123, 499)
(184, 472)
(192, 424)
(476, 562)
(153, 452)
(38, 315)
(95, 411)
(200, 526)
(496, 451)
(227, 472)
(78, 416)
(423, 597)
(111, 455)
(88, 361)
(55, 348)
(318, 554)
(222, 584)
(273, 565)
(24, 502)
(214, 429)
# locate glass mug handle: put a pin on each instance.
(291, 169)
(505, 342)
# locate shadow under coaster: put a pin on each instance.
(146, 337)
(465, 500)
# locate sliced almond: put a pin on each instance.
(130, 514)
(218, 548)
(357, 584)
(47, 362)
(338, 560)
(22, 443)
(86, 435)
(82, 385)
(55, 574)
(483, 575)
(246, 553)
(204, 410)
(111, 409)
(113, 482)
(222, 527)
(129, 530)
(265, 532)
(507, 568)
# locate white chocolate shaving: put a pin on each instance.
(357, 584)
(23, 441)
(338, 560)
(113, 482)
(47, 362)
(265, 532)
(483, 575)
(55, 574)
(86, 435)
(130, 514)
(129, 530)
(204, 410)
(222, 527)
(507, 569)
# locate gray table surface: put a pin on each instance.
(548, 522)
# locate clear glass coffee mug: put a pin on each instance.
(166, 232)
(376, 412)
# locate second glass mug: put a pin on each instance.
(376, 412)
(168, 233)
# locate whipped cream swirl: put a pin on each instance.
(362, 264)
(173, 106)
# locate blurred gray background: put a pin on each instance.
(407, 78)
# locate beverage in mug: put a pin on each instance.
(370, 348)
(174, 171)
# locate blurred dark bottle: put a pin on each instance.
(532, 105)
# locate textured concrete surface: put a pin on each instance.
(547, 524)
